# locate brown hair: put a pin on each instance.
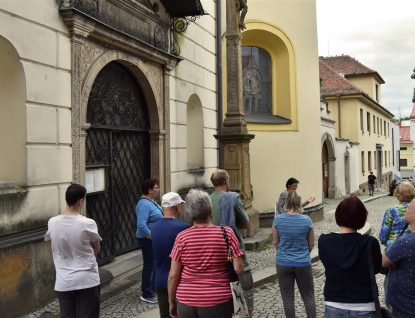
(148, 185)
(352, 213)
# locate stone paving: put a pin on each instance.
(267, 297)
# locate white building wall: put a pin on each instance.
(195, 75)
(394, 149)
(42, 41)
(342, 148)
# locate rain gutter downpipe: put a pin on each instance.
(339, 114)
(219, 74)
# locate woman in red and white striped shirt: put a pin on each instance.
(199, 274)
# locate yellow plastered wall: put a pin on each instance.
(368, 85)
(276, 43)
(288, 32)
(407, 154)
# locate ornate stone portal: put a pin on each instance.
(234, 138)
(134, 35)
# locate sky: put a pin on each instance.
(378, 33)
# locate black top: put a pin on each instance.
(345, 259)
(371, 179)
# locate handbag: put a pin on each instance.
(240, 309)
(381, 312)
(385, 270)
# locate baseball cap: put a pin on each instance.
(171, 199)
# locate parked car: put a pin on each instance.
(393, 185)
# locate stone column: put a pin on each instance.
(234, 138)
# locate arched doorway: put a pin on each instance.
(325, 169)
(116, 154)
(328, 160)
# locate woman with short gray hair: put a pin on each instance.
(198, 205)
(198, 284)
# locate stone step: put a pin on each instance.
(261, 238)
(122, 273)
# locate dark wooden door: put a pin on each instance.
(325, 170)
(117, 143)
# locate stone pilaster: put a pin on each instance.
(234, 138)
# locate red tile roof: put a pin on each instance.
(413, 113)
(349, 67)
(405, 133)
(332, 83)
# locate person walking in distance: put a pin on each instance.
(164, 234)
(371, 181)
(75, 242)
(227, 209)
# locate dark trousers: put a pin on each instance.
(163, 299)
(287, 276)
(223, 310)
(82, 303)
(147, 281)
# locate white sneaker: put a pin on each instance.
(151, 300)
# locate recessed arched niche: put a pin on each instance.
(12, 116)
(195, 138)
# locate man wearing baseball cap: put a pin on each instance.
(164, 234)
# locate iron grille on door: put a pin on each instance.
(117, 141)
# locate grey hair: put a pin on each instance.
(198, 205)
(293, 202)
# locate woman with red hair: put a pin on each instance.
(348, 287)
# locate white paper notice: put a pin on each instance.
(89, 181)
(99, 180)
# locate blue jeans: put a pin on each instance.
(332, 312)
(147, 280)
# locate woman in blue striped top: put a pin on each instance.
(293, 238)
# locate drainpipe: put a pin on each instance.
(219, 74)
(339, 114)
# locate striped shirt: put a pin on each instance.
(204, 280)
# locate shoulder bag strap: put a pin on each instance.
(233, 277)
(373, 280)
(404, 229)
(161, 210)
(229, 249)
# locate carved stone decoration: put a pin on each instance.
(90, 52)
(161, 38)
(123, 21)
(89, 7)
(76, 110)
(232, 164)
(234, 122)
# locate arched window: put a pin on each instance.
(12, 116)
(257, 81)
(269, 78)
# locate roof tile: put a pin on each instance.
(405, 133)
(332, 83)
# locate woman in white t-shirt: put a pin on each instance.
(75, 242)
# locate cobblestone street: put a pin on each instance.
(268, 301)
